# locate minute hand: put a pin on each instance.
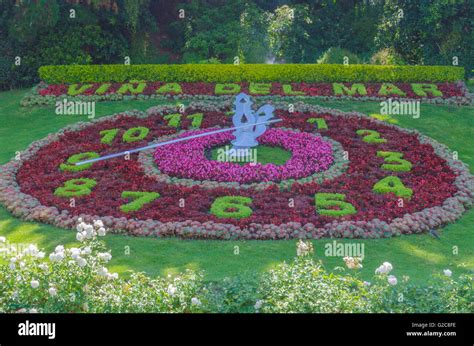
(111, 156)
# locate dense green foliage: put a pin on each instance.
(335, 55)
(45, 32)
(225, 73)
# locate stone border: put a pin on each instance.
(29, 208)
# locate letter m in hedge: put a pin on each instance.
(354, 89)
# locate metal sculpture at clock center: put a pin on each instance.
(246, 137)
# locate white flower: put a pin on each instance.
(52, 291)
(353, 262)
(195, 301)
(3, 240)
(35, 283)
(105, 256)
(101, 231)
(59, 248)
(22, 264)
(75, 252)
(40, 254)
(89, 230)
(171, 290)
(80, 236)
(304, 248)
(367, 283)
(447, 272)
(102, 271)
(87, 250)
(385, 268)
(33, 311)
(258, 304)
(112, 276)
(12, 266)
(98, 224)
(43, 266)
(392, 280)
(31, 250)
(81, 262)
(56, 257)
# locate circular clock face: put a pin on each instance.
(318, 173)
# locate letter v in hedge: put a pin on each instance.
(77, 89)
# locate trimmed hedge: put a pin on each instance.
(249, 73)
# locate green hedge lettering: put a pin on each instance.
(73, 89)
(135, 134)
(76, 187)
(235, 207)
(354, 89)
(394, 157)
(370, 136)
(70, 163)
(325, 202)
(139, 200)
(170, 88)
(390, 89)
(229, 88)
(392, 184)
(423, 89)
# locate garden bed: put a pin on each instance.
(372, 180)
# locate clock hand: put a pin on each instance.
(106, 157)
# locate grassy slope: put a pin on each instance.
(416, 255)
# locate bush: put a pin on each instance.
(226, 73)
(305, 286)
(336, 55)
(77, 280)
(386, 56)
(210, 61)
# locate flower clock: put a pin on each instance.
(342, 175)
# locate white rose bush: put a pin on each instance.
(77, 280)
(305, 286)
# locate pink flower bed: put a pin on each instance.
(310, 154)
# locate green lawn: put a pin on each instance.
(261, 154)
(416, 255)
